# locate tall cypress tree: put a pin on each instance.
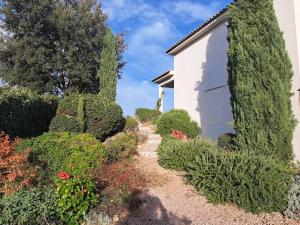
(260, 75)
(108, 67)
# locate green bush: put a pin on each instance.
(104, 118)
(65, 124)
(75, 197)
(226, 141)
(131, 124)
(123, 146)
(293, 209)
(147, 115)
(177, 120)
(36, 207)
(24, 113)
(175, 154)
(255, 183)
(93, 114)
(78, 154)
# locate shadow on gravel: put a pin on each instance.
(148, 210)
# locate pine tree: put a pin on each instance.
(108, 67)
(260, 75)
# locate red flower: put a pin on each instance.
(64, 175)
(178, 135)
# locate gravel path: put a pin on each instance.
(169, 201)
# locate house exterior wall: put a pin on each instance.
(288, 14)
(199, 68)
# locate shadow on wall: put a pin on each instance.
(148, 210)
(213, 93)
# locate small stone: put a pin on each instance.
(116, 218)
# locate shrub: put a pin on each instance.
(65, 124)
(95, 218)
(91, 113)
(226, 141)
(255, 183)
(36, 207)
(147, 115)
(15, 170)
(78, 154)
(293, 209)
(24, 113)
(177, 120)
(104, 118)
(123, 146)
(175, 154)
(131, 124)
(75, 197)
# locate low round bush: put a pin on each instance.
(147, 115)
(226, 141)
(36, 206)
(75, 197)
(121, 147)
(131, 124)
(177, 120)
(78, 154)
(104, 118)
(65, 124)
(24, 113)
(293, 209)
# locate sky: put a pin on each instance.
(150, 28)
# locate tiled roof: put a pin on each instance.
(199, 28)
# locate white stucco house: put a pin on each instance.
(199, 76)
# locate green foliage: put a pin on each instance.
(260, 75)
(36, 206)
(177, 120)
(175, 154)
(78, 154)
(121, 147)
(227, 141)
(75, 197)
(108, 71)
(293, 209)
(81, 114)
(95, 218)
(65, 124)
(147, 115)
(131, 124)
(104, 117)
(24, 113)
(55, 46)
(253, 182)
(68, 105)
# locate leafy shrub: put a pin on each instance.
(36, 207)
(78, 154)
(175, 154)
(93, 114)
(255, 183)
(25, 114)
(104, 118)
(131, 124)
(75, 196)
(177, 120)
(65, 124)
(147, 115)
(95, 218)
(226, 141)
(293, 209)
(121, 147)
(15, 170)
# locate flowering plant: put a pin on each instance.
(75, 197)
(178, 135)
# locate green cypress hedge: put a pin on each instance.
(260, 75)
(24, 113)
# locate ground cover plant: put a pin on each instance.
(24, 113)
(177, 120)
(78, 154)
(293, 209)
(131, 124)
(147, 115)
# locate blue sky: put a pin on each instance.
(151, 27)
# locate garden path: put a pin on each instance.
(168, 200)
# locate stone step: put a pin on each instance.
(148, 154)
